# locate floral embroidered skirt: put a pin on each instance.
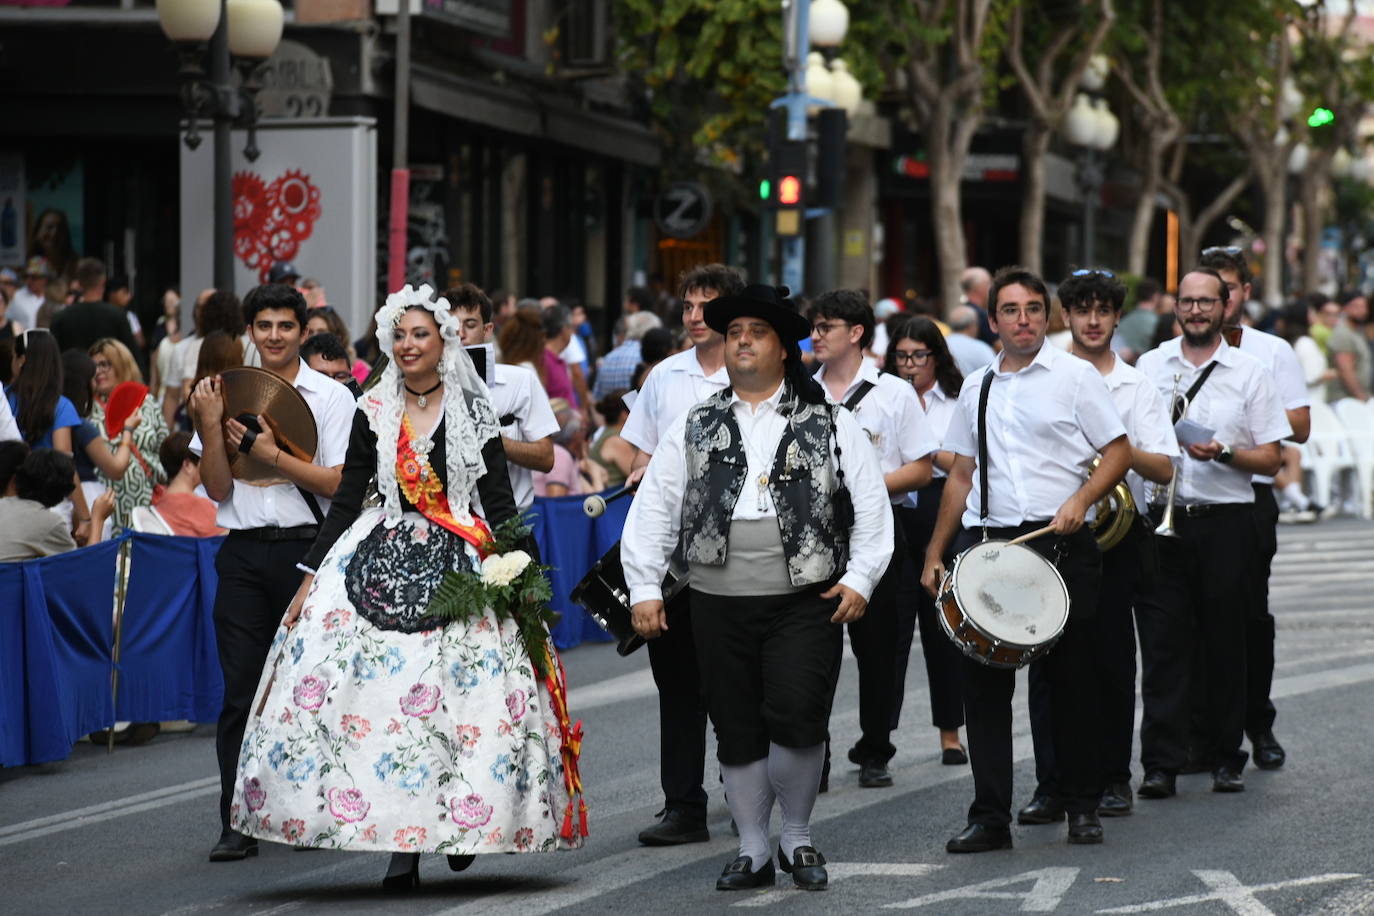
(442, 740)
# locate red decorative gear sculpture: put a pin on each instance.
(271, 220)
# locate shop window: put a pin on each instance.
(586, 33)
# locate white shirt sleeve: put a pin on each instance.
(641, 426)
(1153, 431)
(537, 420)
(960, 436)
(655, 518)
(870, 540)
(1288, 377)
(1264, 414)
(337, 426)
(1094, 410)
(574, 352)
(1310, 358)
(9, 429)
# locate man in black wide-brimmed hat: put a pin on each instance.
(781, 507)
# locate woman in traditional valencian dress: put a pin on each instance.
(377, 725)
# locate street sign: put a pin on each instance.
(683, 209)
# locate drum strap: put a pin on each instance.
(983, 450)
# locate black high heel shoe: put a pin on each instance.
(403, 872)
(460, 863)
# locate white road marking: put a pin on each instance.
(84, 817)
(1051, 884)
(840, 871)
(1228, 889)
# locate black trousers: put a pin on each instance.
(681, 712)
(1259, 634)
(1110, 675)
(875, 639)
(257, 580)
(988, 692)
(1200, 602)
(768, 664)
(941, 655)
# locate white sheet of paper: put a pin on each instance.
(1190, 432)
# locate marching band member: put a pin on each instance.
(1205, 572)
(1092, 301)
(889, 412)
(678, 383)
(1047, 416)
(1285, 371)
(781, 506)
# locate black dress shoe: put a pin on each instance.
(676, 828)
(980, 838)
(1157, 784)
(807, 868)
(1116, 801)
(874, 775)
(954, 756)
(460, 863)
(1267, 751)
(233, 846)
(402, 873)
(740, 876)
(1043, 809)
(1085, 829)
(1225, 779)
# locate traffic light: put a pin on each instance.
(787, 167)
(1320, 117)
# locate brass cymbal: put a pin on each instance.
(251, 391)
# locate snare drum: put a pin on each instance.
(606, 597)
(1003, 604)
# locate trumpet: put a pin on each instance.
(1178, 410)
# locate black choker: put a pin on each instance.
(421, 395)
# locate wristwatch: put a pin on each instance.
(1226, 455)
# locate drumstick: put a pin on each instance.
(595, 505)
(1032, 535)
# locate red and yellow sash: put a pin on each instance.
(422, 487)
(570, 735)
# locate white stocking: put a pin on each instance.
(796, 777)
(750, 794)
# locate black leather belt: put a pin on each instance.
(1201, 510)
(298, 533)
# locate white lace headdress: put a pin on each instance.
(469, 421)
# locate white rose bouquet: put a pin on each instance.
(511, 584)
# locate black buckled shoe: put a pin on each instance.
(1043, 809)
(676, 828)
(740, 876)
(980, 838)
(807, 868)
(1267, 751)
(1085, 829)
(874, 775)
(1225, 779)
(1157, 784)
(233, 846)
(1116, 801)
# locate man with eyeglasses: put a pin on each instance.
(1285, 371)
(1092, 301)
(1047, 416)
(842, 328)
(1203, 596)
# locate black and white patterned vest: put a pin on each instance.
(801, 484)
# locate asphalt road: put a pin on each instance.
(129, 833)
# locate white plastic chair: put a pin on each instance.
(1358, 421)
(1327, 453)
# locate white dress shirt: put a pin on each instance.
(890, 414)
(939, 408)
(281, 505)
(1237, 400)
(24, 308)
(1145, 414)
(655, 519)
(516, 392)
(675, 385)
(970, 354)
(1045, 424)
(9, 429)
(1285, 372)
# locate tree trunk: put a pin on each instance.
(1273, 181)
(1138, 244)
(1034, 146)
(1317, 175)
(947, 216)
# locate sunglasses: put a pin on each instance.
(1231, 251)
(1089, 271)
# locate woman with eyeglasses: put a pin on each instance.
(115, 365)
(917, 352)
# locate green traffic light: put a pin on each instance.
(1320, 117)
(765, 189)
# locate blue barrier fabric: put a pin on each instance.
(168, 668)
(56, 617)
(570, 543)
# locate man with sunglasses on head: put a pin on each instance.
(1092, 300)
(1202, 600)
(1281, 362)
(1029, 427)
(842, 328)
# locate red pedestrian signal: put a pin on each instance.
(789, 191)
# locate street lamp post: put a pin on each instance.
(223, 33)
(1094, 129)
